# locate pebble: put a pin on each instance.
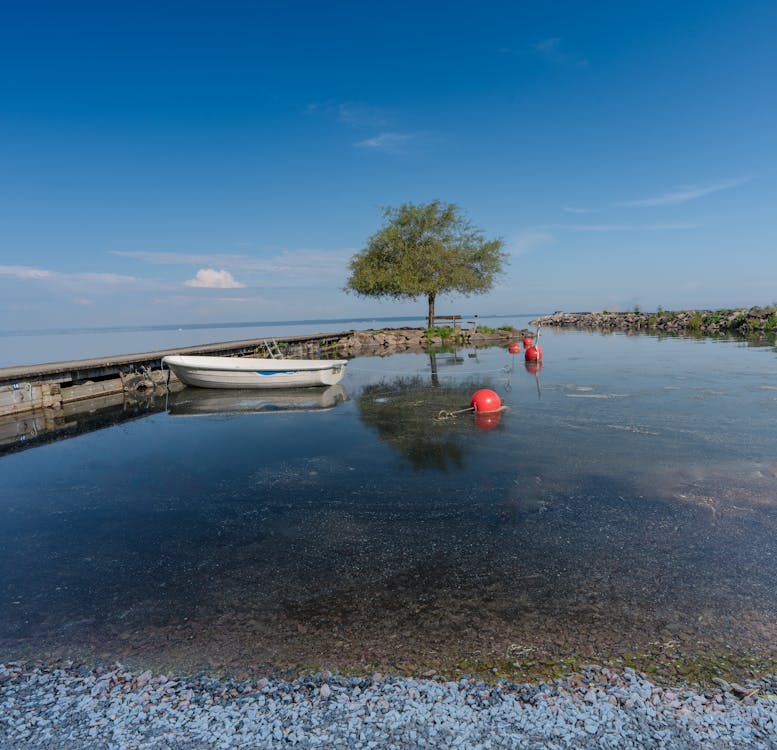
(66, 706)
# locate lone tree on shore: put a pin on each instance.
(425, 250)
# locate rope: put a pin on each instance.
(443, 414)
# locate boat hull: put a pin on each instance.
(253, 372)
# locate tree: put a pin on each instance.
(425, 250)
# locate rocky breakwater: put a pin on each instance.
(392, 341)
(758, 321)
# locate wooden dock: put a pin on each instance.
(54, 385)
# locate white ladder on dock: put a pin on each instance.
(271, 345)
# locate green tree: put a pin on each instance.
(425, 250)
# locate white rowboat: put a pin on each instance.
(253, 372)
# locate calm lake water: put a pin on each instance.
(29, 347)
(623, 507)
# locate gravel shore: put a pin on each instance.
(68, 706)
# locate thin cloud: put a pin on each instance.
(625, 227)
(529, 241)
(575, 210)
(352, 114)
(103, 278)
(176, 259)
(210, 278)
(25, 272)
(42, 274)
(553, 51)
(290, 268)
(361, 115)
(683, 194)
(547, 46)
(391, 143)
(234, 300)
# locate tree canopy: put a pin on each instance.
(425, 250)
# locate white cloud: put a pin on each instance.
(388, 142)
(210, 278)
(683, 194)
(575, 210)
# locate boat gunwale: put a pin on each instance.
(251, 364)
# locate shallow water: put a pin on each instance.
(624, 506)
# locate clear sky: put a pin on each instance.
(166, 162)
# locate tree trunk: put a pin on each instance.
(430, 317)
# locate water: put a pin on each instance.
(623, 507)
(27, 347)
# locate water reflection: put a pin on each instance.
(202, 401)
(34, 428)
(533, 368)
(405, 414)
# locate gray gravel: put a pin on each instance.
(66, 706)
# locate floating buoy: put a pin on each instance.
(527, 342)
(533, 353)
(514, 348)
(487, 421)
(533, 366)
(485, 401)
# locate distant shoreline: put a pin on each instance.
(753, 321)
(234, 324)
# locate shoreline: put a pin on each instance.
(66, 705)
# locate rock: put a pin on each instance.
(709, 322)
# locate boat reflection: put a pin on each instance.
(203, 401)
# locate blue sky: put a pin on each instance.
(202, 161)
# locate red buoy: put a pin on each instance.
(514, 348)
(527, 342)
(485, 401)
(533, 352)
